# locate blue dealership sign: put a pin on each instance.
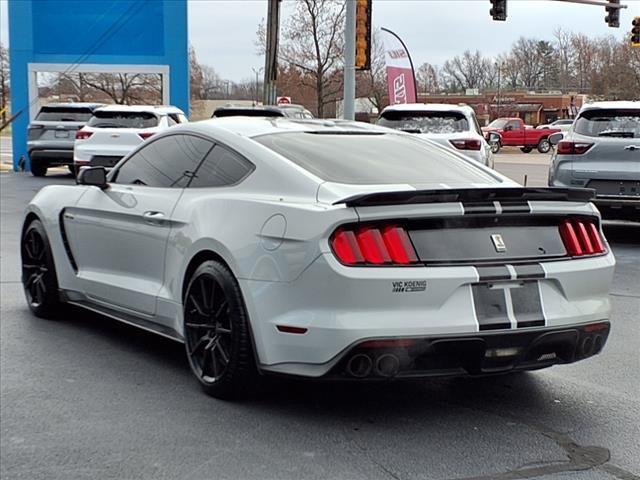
(136, 36)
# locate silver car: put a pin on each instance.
(52, 133)
(602, 151)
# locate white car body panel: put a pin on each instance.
(118, 142)
(273, 230)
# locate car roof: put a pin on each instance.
(73, 105)
(255, 126)
(159, 109)
(623, 104)
(247, 110)
(421, 107)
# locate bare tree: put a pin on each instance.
(4, 82)
(471, 70)
(127, 88)
(427, 77)
(312, 41)
(212, 85)
(564, 56)
(196, 76)
(372, 83)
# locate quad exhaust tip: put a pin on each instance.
(387, 365)
(360, 365)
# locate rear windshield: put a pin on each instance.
(609, 123)
(373, 159)
(114, 119)
(64, 114)
(425, 122)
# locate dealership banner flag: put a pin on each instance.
(400, 75)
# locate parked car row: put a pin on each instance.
(94, 134)
(88, 134)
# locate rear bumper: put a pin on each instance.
(339, 307)
(477, 354)
(52, 156)
(618, 208)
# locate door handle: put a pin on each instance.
(153, 217)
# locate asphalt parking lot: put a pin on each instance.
(85, 397)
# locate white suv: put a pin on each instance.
(454, 126)
(115, 130)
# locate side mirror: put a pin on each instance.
(96, 176)
(555, 138)
(493, 138)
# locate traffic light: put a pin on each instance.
(613, 14)
(498, 10)
(635, 32)
(363, 34)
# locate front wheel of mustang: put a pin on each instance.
(38, 272)
(216, 332)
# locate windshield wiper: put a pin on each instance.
(616, 133)
(411, 130)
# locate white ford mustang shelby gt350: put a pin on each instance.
(325, 249)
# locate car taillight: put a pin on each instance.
(145, 135)
(466, 144)
(566, 147)
(373, 245)
(83, 134)
(581, 237)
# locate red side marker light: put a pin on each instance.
(290, 329)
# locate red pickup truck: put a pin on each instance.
(515, 133)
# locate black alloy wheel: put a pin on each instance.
(39, 168)
(216, 332)
(38, 272)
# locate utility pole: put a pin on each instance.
(271, 53)
(348, 105)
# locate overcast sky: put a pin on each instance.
(223, 32)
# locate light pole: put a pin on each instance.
(499, 67)
(257, 72)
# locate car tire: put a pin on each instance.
(544, 145)
(39, 169)
(38, 272)
(217, 333)
(495, 148)
(72, 169)
(526, 149)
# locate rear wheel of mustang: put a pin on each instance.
(216, 332)
(38, 272)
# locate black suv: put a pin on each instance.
(52, 134)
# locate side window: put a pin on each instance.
(476, 125)
(515, 125)
(221, 167)
(175, 118)
(171, 120)
(168, 162)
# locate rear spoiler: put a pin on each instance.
(470, 195)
